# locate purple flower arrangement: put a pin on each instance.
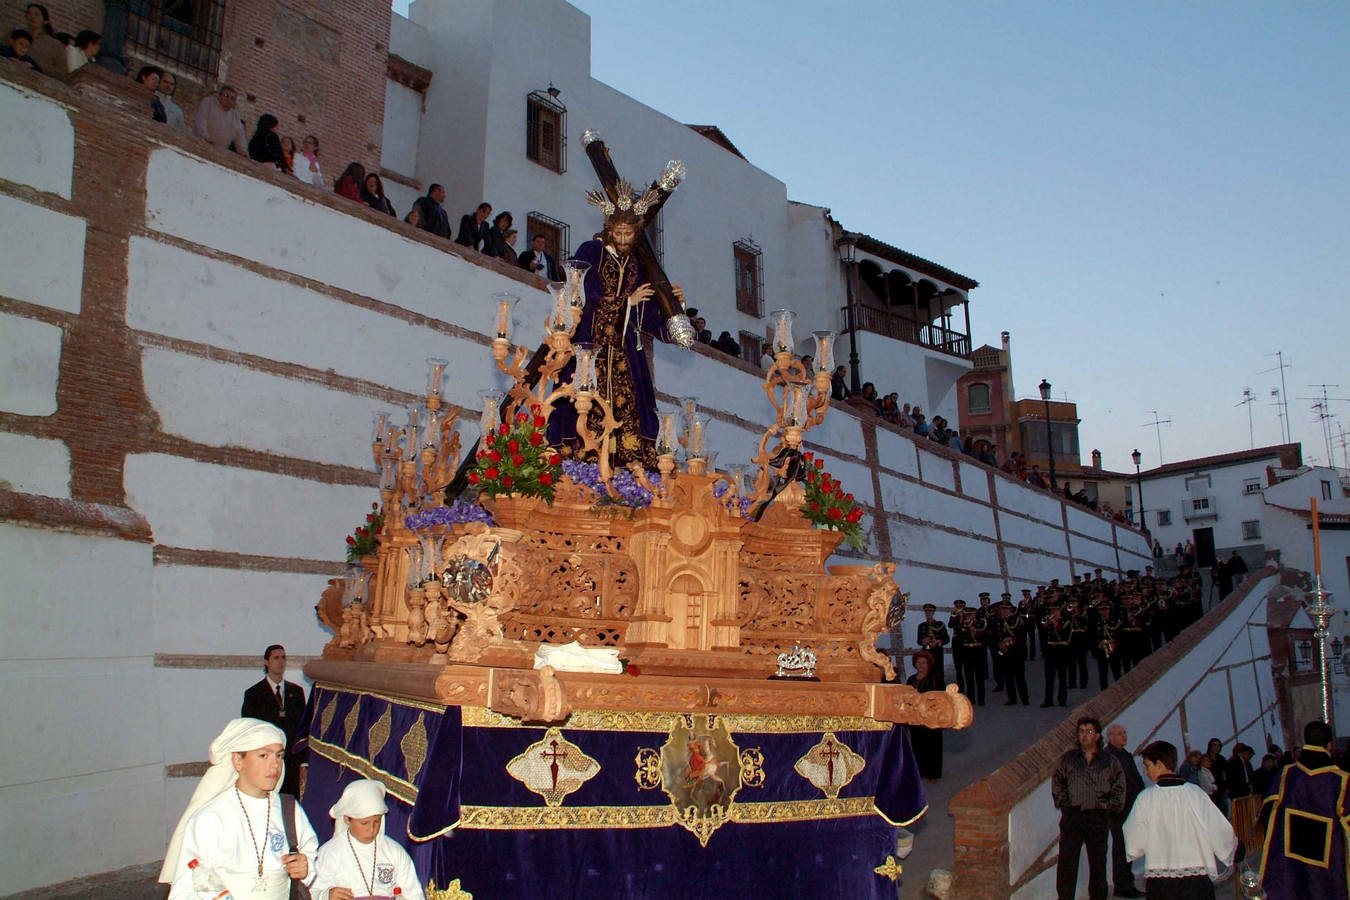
(740, 505)
(458, 513)
(630, 493)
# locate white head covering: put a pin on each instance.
(360, 799)
(240, 736)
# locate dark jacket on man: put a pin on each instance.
(472, 233)
(551, 272)
(433, 217)
(260, 702)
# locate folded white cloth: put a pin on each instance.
(575, 658)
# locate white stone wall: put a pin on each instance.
(1223, 688)
(402, 133)
(1232, 506)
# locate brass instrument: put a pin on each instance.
(1108, 643)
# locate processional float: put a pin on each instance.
(613, 650)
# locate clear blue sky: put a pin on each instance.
(1152, 195)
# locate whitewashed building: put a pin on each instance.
(499, 119)
(1214, 501)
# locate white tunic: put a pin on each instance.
(218, 837)
(393, 868)
(1179, 832)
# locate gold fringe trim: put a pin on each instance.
(366, 769)
(510, 818)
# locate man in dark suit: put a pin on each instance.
(539, 262)
(473, 227)
(282, 703)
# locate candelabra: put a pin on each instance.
(799, 398)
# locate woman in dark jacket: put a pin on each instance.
(496, 239)
(926, 742)
(265, 146)
(372, 192)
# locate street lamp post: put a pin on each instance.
(1049, 435)
(1139, 488)
(847, 248)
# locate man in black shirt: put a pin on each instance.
(282, 703)
(473, 227)
(432, 214)
(1088, 787)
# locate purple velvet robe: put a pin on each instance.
(1305, 853)
(622, 369)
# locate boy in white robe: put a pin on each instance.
(1178, 830)
(361, 861)
(231, 835)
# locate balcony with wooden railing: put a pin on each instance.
(933, 336)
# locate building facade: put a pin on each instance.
(1214, 502)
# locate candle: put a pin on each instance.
(782, 330)
(435, 373)
(667, 438)
(489, 417)
(381, 423)
(824, 350)
(504, 302)
(1317, 541)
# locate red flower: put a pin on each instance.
(473, 478)
(504, 428)
(535, 407)
(855, 516)
(545, 478)
(834, 513)
(491, 474)
(512, 445)
(482, 453)
(826, 485)
(810, 477)
(633, 670)
(351, 541)
(820, 464)
(807, 455)
(374, 506)
(507, 481)
(370, 517)
(555, 459)
(815, 507)
(838, 492)
(539, 421)
(517, 460)
(522, 418)
(494, 456)
(848, 497)
(536, 439)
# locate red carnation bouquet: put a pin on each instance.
(516, 459)
(365, 541)
(828, 506)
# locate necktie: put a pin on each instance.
(281, 701)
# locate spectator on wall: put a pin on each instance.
(288, 155)
(348, 184)
(838, 384)
(20, 42)
(497, 233)
(306, 164)
(432, 214)
(218, 123)
(168, 84)
(473, 227)
(727, 344)
(148, 78)
(265, 146)
(46, 50)
(414, 216)
(372, 194)
(82, 50)
(539, 261)
(508, 253)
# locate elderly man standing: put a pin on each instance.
(218, 121)
(1088, 787)
(1121, 874)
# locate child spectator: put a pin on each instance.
(414, 216)
(360, 860)
(265, 146)
(372, 194)
(349, 182)
(306, 166)
(17, 49)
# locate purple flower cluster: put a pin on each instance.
(630, 493)
(739, 504)
(458, 513)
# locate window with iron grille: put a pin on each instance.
(184, 34)
(1164, 518)
(977, 398)
(557, 235)
(749, 262)
(752, 347)
(546, 131)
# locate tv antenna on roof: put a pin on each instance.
(1156, 425)
(1247, 399)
